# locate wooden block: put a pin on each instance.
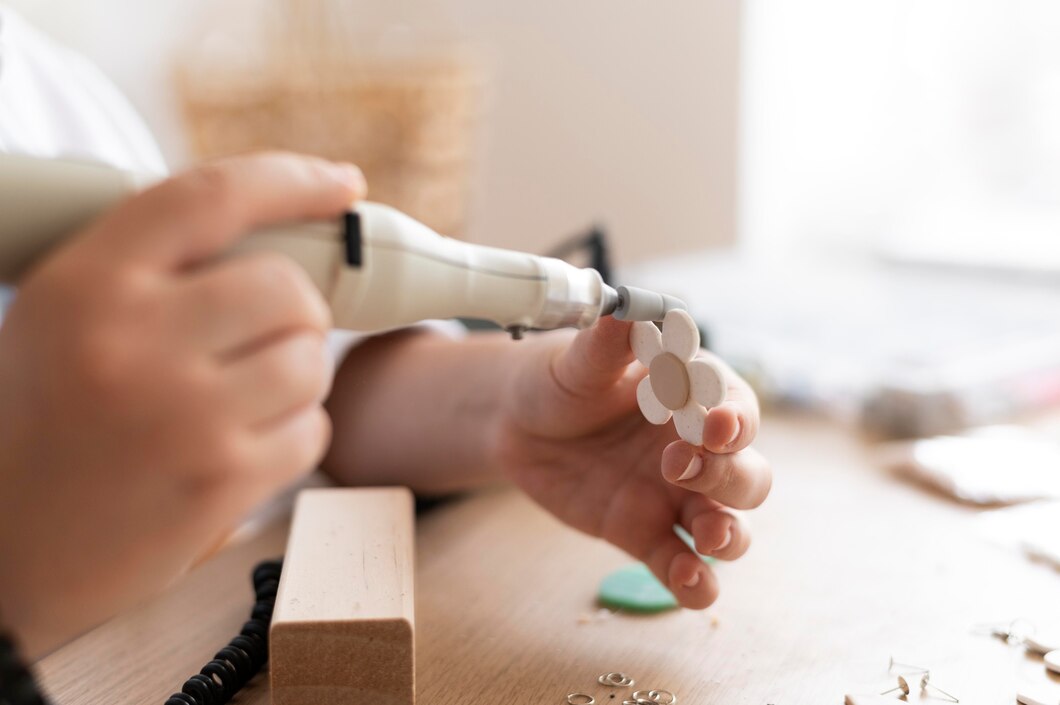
(342, 631)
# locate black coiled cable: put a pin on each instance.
(233, 666)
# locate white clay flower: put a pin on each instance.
(678, 384)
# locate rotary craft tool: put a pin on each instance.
(378, 268)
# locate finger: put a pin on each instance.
(293, 446)
(654, 542)
(740, 480)
(595, 360)
(721, 533)
(692, 583)
(202, 212)
(733, 425)
(279, 379)
(238, 302)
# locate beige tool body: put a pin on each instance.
(376, 267)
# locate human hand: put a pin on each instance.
(151, 393)
(574, 439)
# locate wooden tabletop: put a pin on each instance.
(849, 566)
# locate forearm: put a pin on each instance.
(421, 410)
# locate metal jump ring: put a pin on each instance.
(615, 679)
(659, 695)
(580, 699)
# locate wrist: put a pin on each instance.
(420, 410)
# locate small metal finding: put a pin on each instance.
(580, 699)
(615, 679)
(657, 697)
(903, 685)
(925, 677)
(892, 664)
(925, 684)
(663, 697)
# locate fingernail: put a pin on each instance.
(724, 542)
(735, 434)
(693, 581)
(351, 176)
(695, 466)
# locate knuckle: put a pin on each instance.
(272, 270)
(215, 293)
(225, 455)
(278, 273)
(722, 475)
(101, 364)
(109, 348)
(298, 367)
(214, 188)
(310, 443)
(196, 384)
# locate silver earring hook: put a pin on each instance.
(925, 684)
(892, 664)
(903, 685)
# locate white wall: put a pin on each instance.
(623, 112)
(618, 111)
(878, 123)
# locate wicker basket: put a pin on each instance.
(407, 121)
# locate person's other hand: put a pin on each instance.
(574, 439)
(151, 393)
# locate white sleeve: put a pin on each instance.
(55, 103)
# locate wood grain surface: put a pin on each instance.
(849, 566)
(342, 630)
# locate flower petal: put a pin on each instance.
(680, 335)
(651, 407)
(707, 383)
(646, 341)
(689, 422)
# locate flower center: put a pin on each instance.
(669, 381)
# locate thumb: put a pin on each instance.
(596, 359)
(573, 385)
(201, 213)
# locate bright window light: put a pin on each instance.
(922, 129)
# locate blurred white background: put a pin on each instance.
(929, 126)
